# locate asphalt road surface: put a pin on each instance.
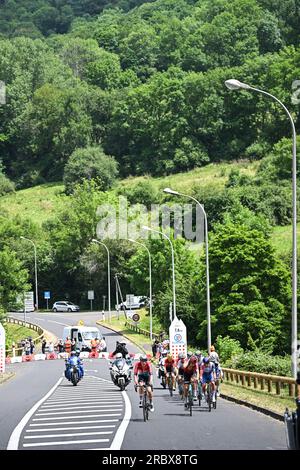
(40, 409)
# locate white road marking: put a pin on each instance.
(13, 442)
(74, 417)
(91, 407)
(59, 443)
(78, 422)
(69, 405)
(71, 429)
(45, 436)
(119, 437)
(58, 323)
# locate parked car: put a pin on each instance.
(65, 306)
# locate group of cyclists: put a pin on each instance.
(192, 368)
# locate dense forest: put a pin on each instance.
(97, 91)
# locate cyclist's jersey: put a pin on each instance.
(189, 371)
(207, 370)
(180, 366)
(219, 372)
(142, 368)
(169, 364)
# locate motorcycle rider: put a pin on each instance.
(120, 361)
(161, 364)
(121, 348)
(74, 360)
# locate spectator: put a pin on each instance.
(73, 345)
(51, 347)
(60, 346)
(44, 345)
(31, 343)
(27, 348)
(121, 348)
(155, 347)
(102, 345)
(68, 345)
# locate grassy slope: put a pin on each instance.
(41, 202)
(282, 239)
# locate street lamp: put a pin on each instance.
(173, 263)
(108, 275)
(35, 271)
(176, 193)
(150, 279)
(237, 85)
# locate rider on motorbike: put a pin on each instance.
(74, 360)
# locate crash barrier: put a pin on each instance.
(31, 326)
(54, 356)
(273, 384)
(292, 428)
(137, 329)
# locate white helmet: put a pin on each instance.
(119, 356)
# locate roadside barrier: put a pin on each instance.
(31, 326)
(273, 384)
(137, 329)
(27, 357)
(55, 356)
(51, 356)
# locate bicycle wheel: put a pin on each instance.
(170, 385)
(199, 393)
(145, 407)
(215, 402)
(208, 397)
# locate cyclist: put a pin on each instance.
(199, 357)
(190, 375)
(143, 376)
(208, 375)
(180, 369)
(219, 377)
(161, 365)
(170, 368)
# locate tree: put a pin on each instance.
(90, 163)
(14, 279)
(250, 287)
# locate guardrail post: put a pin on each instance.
(249, 380)
(291, 390)
(270, 386)
(237, 378)
(262, 384)
(255, 381)
(278, 386)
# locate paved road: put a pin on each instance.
(170, 427)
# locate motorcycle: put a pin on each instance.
(74, 375)
(120, 373)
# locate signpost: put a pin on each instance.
(178, 338)
(47, 296)
(135, 317)
(91, 296)
(2, 349)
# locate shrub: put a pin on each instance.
(87, 164)
(6, 186)
(228, 348)
(258, 361)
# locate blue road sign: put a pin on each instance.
(47, 294)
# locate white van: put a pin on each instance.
(82, 335)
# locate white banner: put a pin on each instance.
(2, 349)
(16, 359)
(39, 357)
(178, 338)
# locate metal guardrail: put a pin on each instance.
(31, 326)
(139, 330)
(265, 382)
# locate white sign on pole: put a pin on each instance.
(178, 338)
(2, 349)
(91, 295)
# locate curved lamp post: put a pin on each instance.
(150, 280)
(233, 84)
(176, 193)
(108, 275)
(173, 263)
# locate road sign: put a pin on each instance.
(178, 338)
(91, 295)
(47, 294)
(135, 317)
(2, 349)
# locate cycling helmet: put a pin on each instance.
(181, 356)
(119, 356)
(193, 359)
(143, 358)
(164, 353)
(189, 354)
(206, 360)
(198, 353)
(73, 353)
(169, 356)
